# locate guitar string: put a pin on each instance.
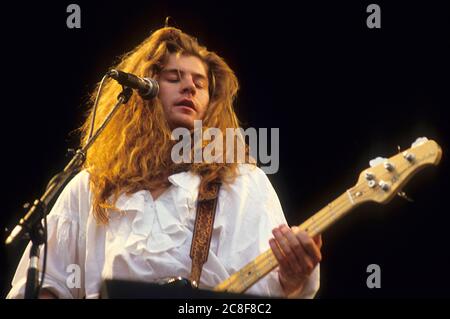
(266, 259)
(314, 224)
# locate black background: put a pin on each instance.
(340, 93)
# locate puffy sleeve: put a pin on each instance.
(259, 212)
(65, 238)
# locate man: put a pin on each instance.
(130, 213)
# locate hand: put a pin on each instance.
(297, 254)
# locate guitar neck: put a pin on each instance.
(240, 281)
(378, 184)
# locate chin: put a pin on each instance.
(182, 121)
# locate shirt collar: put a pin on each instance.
(187, 180)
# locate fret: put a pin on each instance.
(266, 262)
(377, 184)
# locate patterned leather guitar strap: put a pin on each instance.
(204, 221)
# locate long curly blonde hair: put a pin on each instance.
(133, 152)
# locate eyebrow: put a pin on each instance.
(178, 71)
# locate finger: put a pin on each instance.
(289, 254)
(307, 262)
(284, 265)
(318, 240)
(310, 246)
(302, 258)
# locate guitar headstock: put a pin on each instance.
(385, 179)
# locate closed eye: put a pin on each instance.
(200, 85)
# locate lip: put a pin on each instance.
(184, 102)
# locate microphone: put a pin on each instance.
(146, 87)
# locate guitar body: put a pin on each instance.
(177, 282)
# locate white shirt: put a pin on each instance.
(151, 239)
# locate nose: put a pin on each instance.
(188, 85)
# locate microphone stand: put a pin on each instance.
(31, 224)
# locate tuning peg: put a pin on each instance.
(388, 166)
(404, 196)
(371, 183)
(369, 176)
(384, 186)
(408, 156)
